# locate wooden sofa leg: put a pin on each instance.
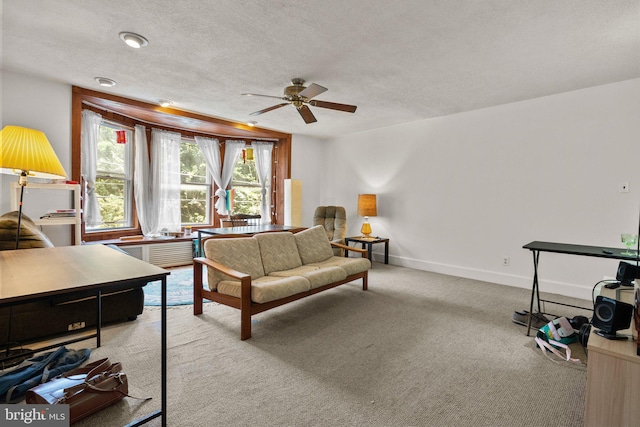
(365, 281)
(245, 325)
(245, 308)
(197, 288)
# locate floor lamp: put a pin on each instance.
(27, 152)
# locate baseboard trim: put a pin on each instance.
(519, 281)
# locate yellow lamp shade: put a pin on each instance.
(367, 205)
(28, 150)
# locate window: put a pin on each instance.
(195, 185)
(246, 186)
(123, 113)
(113, 177)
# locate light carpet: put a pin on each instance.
(416, 349)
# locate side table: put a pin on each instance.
(368, 242)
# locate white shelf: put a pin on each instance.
(75, 221)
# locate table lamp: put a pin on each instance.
(366, 208)
(27, 152)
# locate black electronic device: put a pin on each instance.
(610, 316)
(627, 272)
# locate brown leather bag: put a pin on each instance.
(86, 390)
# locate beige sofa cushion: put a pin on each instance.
(241, 254)
(278, 251)
(313, 245)
(267, 288)
(351, 265)
(315, 275)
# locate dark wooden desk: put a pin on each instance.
(569, 249)
(368, 242)
(31, 274)
(247, 230)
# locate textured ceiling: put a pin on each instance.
(398, 61)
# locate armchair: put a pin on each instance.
(334, 221)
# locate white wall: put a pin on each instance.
(456, 194)
(45, 106)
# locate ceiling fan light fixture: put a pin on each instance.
(252, 123)
(164, 103)
(106, 82)
(301, 97)
(134, 40)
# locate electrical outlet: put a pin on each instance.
(75, 326)
(506, 261)
(623, 187)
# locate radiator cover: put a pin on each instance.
(165, 254)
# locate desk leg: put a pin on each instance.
(162, 412)
(164, 352)
(535, 289)
(200, 252)
(98, 317)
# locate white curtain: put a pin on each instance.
(262, 154)
(142, 184)
(221, 175)
(232, 151)
(165, 179)
(210, 148)
(89, 141)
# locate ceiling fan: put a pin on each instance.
(300, 97)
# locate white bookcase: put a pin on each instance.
(74, 221)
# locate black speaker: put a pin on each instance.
(610, 315)
(627, 272)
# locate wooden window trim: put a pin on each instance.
(131, 112)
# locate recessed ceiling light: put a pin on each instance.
(133, 40)
(164, 102)
(252, 123)
(103, 81)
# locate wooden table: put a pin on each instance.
(613, 378)
(368, 242)
(28, 275)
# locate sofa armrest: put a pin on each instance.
(347, 248)
(245, 291)
(219, 267)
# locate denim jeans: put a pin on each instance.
(15, 383)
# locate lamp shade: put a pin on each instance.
(28, 150)
(367, 205)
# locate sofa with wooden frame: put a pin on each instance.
(264, 271)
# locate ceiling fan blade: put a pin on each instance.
(306, 114)
(312, 90)
(257, 113)
(266, 96)
(334, 106)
